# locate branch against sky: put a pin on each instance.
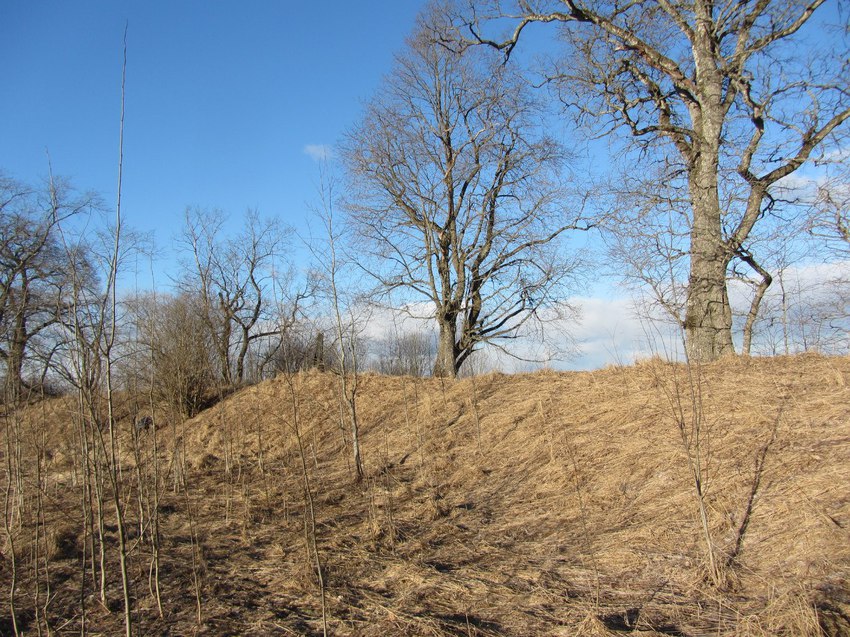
(234, 277)
(457, 193)
(36, 277)
(830, 222)
(731, 97)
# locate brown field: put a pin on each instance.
(539, 504)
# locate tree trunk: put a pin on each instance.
(319, 352)
(14, 380)
(755, 305)
(240, 358)
(15, 360)
(446, 362)
(708, 316)
(350, 401)
(224, 351)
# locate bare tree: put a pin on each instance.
(174, 342)
(301, 346)
(94, 327)
(807, 311)
(35, 284)
(233, 278)
(731, 96)
(330, 263)
(831, 219)
(286, 341)
(458, 193)
(408, 353)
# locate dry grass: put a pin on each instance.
(554, 504)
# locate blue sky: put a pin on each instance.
(223, 99)
(227, 106)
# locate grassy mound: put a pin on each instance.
(653, 499)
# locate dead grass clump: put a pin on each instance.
(831, 607)
(64, 542)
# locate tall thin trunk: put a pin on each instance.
(347, 386)
(240, 357)
(8, 516)
(109, 341)
(755, 304)
(309, 505)
(86, 508)
(785, 338)
(223, 343)
(155, 517)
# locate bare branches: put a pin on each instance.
(719, 91)
(233, 277)
(458, 194)
(830, 220)
(36, 282)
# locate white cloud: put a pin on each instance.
(837, 154)
(318, 152)
(384, 322)
(605, 331)
(609, 329)
(810, 280)
(617, 331)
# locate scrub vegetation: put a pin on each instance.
(535, 504)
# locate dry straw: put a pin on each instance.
(541, 504)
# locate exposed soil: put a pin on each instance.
(541, 504)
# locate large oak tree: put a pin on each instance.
(732, 96)
(457, 193)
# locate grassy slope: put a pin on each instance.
(542, 504)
